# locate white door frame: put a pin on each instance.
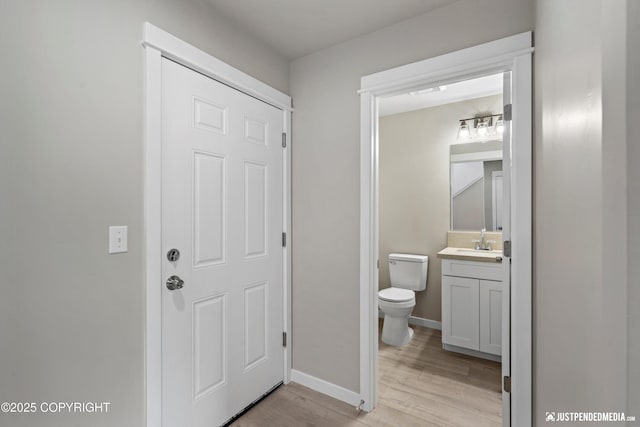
(159, 44)
(508, 54)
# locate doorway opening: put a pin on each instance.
(439, 150)
(509, 58)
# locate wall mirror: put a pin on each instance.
(476, 186)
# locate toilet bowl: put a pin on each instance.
(397, 305)
(408, 273)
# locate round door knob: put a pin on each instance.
(174, 282)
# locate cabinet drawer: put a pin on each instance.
(473, 269)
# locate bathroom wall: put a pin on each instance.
(414, 188)
(580, 197)
(71, 129)
(326, 169)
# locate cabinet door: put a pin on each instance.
(460, 312)
(491, 317)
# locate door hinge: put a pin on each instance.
(507, 113)
(284, 240)
(378, 264)
(284, 140)
(506, 384)
(506, 248)
(284, 339)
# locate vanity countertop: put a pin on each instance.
(470, 254)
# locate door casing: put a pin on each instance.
(158, 44)
(508, 54)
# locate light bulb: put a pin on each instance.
(483, 129)
(463, 131)
(500, 125)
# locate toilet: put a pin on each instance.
(408, 274)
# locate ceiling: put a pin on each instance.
(296, 28)
(466, 89)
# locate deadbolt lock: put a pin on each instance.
(173, 255)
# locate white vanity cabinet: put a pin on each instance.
(472, 306)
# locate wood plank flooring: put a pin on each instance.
(420, 384)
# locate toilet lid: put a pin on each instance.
(396, 294)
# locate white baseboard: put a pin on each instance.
(427, 323)
(419, 321)
(325, 387)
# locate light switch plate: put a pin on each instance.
(118, 239)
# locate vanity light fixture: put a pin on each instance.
(482, 127)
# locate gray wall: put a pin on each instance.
(580, 201)
(326, 169)
(633, 180)
(71, 316)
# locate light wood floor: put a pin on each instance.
(420, 384)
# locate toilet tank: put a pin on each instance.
(408, 271)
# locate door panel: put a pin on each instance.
(208, 209)
(460, 312)
(222, 208)
(491, 317)
(255, 324)
(255, 213)
(209, 344)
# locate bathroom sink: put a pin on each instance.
(471, 254)
(474, 251)
(479, 252)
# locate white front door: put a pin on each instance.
(222, 210)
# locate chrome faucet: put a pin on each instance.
(483, 244)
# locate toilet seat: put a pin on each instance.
(396, 295)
